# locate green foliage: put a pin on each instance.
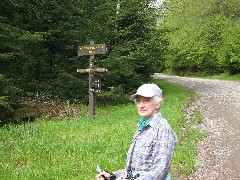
(9, 95)
(69, 87)
(40, 40)
(225, 76)
(203, 36)
(113, 97)
(228, 54)
(5, 109)
(123, 71)
(132, 59)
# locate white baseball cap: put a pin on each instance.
(147, 90)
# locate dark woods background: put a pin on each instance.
(39, 41)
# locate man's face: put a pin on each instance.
(146, 106)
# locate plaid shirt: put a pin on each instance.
(153, 150)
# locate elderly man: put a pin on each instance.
(150, 154)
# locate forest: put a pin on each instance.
(40, 39)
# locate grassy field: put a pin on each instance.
(71, 149)
(225, 76)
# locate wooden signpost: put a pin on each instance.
(94, 80)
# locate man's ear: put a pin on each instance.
(158, 105)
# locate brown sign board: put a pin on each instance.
(83, 70)
(92, 49)
(91, 70)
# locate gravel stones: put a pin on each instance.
(219, 152)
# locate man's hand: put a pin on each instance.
(101, 175)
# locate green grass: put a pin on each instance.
(225, 76)
(71, 149)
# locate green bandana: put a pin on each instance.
(142, 123)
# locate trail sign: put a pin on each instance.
(92, 49)
(95, 84)
(92, 70)
(94, 81)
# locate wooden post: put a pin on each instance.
(94, 82)
(91, 105)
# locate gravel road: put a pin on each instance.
(219, 152)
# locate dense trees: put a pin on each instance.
(39, 41)
(203, 36)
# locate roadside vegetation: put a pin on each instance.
(72, 148)
(224, 76)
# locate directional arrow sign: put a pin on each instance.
(100, 69)
(83, 70)
(91, 70)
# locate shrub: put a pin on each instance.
(5, 109)
(113, 97)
